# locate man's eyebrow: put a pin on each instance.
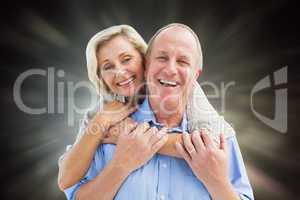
(184, 57)
(162, 52)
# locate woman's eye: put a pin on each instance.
(107, 67)
(126, 59)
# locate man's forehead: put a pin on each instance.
(175, 36)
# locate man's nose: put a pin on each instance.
(171, 67)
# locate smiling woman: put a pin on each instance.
(121, 68)
(115, 55)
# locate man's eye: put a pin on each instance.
(161, 58)
(183, 62)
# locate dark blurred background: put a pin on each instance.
(243, 42)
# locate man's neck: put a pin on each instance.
(169, 119)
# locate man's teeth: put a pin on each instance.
(167, 83)
(126, 81)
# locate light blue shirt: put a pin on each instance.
(164, 177)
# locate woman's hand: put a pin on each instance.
(114, 132)
(208, 161)
(134, 149)
(112, 113)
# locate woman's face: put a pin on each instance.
(121, 66)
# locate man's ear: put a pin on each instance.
(197, 73)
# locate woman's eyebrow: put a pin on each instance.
(103, 62)
(123, 54)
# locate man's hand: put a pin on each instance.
(208, 162)
(134, 149)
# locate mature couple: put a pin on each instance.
(148, 141)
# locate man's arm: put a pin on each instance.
(105, 185)
(217, 166)
(133, 150)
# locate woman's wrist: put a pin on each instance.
(100, 125)
(106, 123)
(96, 129)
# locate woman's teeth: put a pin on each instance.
(122, 83)
(167, 83)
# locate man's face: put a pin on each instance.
(171, 68)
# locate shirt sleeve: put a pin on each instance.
(95, 168)
(238, 175)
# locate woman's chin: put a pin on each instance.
(128, 94)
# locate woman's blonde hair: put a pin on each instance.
(99, 39)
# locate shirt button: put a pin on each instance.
(164, 165)
(162, 197)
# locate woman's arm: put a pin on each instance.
(76, 161)
(168, 148)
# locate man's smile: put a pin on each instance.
(168, 83)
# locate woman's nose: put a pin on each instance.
(120, 70)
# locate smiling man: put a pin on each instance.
(174, 61)
(208, 171)
(172, 66)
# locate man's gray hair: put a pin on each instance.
(151, 41)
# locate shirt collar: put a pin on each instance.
(145, 114)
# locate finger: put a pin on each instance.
(113, 130)
(156, 146)
(129, 125)
(141, 129)
(158, 135)
(206, 140)
(180, 149)
(197, 141)
(126, 111)
(123, 128)
(223, 142)
(151, 132)
(188, 144)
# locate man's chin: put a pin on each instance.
(169, 103)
